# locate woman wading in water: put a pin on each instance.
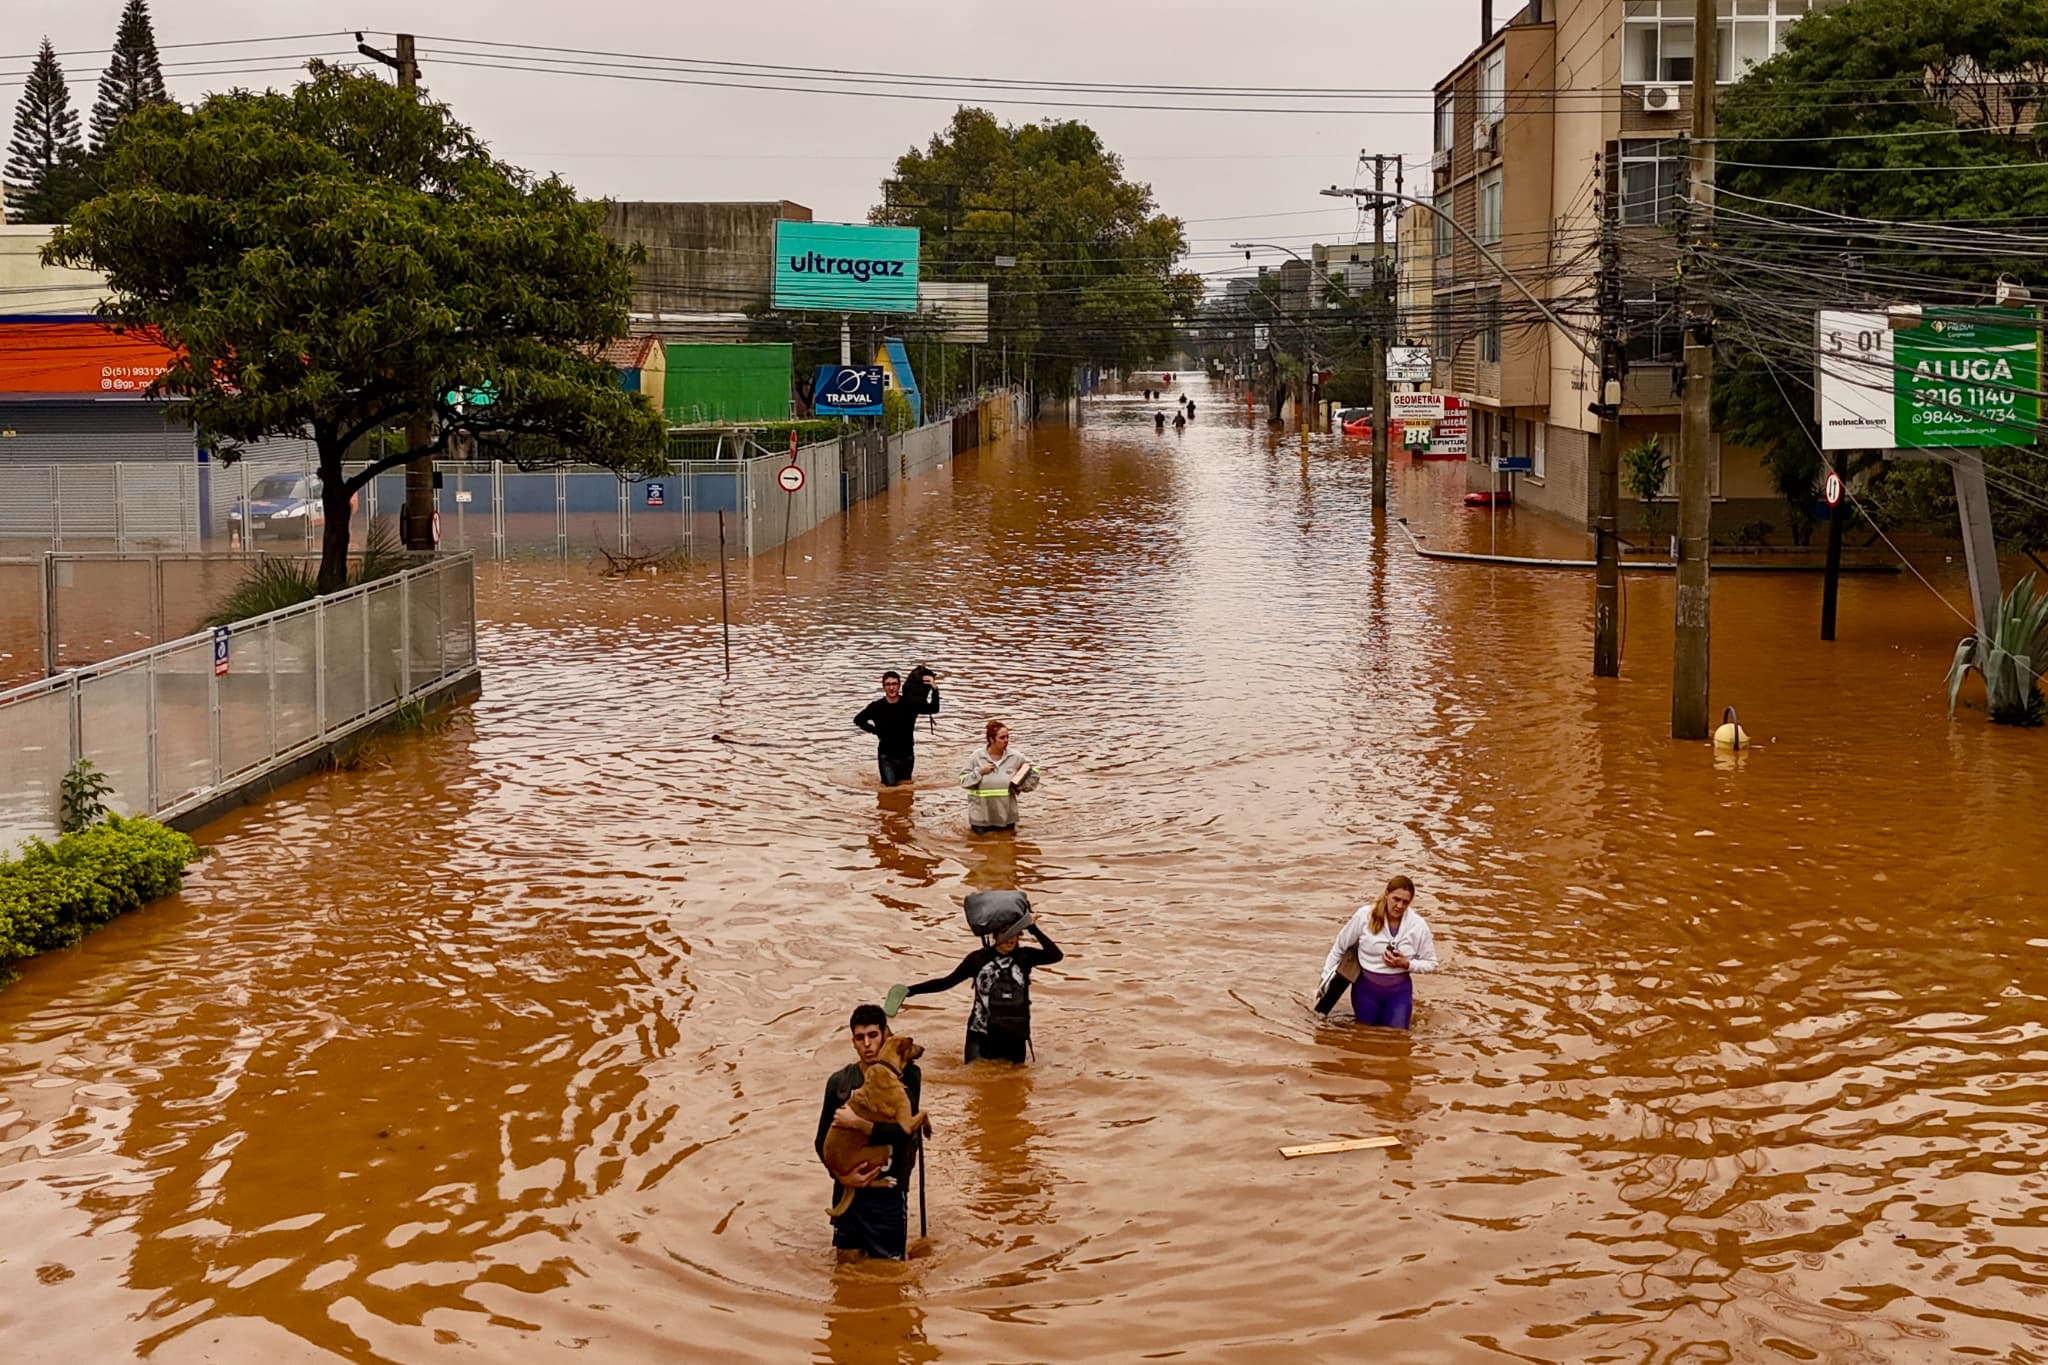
(1378, 952)
(993, 778)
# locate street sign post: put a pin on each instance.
(1834, 489)
(790, 478)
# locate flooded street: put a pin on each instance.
(511, 1046)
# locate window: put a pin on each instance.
(1657, 45)
(1489, 207)
(1492, 86)
(1653, 325)
(1539, 443)
(1447, 206)
(1443, 349)
(1489, 330)
(1446, 121)
(1651, 176)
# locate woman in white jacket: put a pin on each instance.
(993, 778)
(1378, 951)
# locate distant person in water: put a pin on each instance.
(994, 778)
(1180, 421)
(1191, 409)
(1377, 952)
(1159, 421)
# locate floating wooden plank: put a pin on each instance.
(1348, 1145)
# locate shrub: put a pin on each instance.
(1644, 469)
(51, 894)
(86, 790)
(2019, 636)
(1753, 532)
(272, 584)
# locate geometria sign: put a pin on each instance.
(1960, 378)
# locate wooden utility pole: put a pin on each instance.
(1381, 278)
(1692, 611)
(1607, 407)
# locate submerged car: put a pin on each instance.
(280, 507)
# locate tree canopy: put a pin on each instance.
(133, 78)
(345, 257)
(1094, 280)
(1891, 153)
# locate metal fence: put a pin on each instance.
(177, 724)
(488, 509)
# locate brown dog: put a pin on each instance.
(881, 1098)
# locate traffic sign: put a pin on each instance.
(791, 477)
(1834, 489)
(220, 651)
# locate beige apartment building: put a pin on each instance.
(1520, 129)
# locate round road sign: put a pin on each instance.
(1834, 489)
(791, 477)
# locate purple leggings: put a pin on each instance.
(1385, 999)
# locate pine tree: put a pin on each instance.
(134, 76)
(44, 158)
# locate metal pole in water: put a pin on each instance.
(724, 601)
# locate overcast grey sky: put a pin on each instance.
(1229, 175)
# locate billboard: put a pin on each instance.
(77, 359)
(1955, 381)
(959, 310)
(1409, 365)
(845, 268)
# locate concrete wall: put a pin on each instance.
(701, 258)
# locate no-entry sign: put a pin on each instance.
(791, 477)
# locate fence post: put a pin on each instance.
(363, 608)
(561, 515)
(156, 601)
(75, 694)
(405, 635)
(470, 572)
(320, 667)
(155, 766)
(213, 717)
(49, 590)
(270, 688)
(120, 513)
(498, 509)
(440, 626)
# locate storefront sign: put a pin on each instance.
(1409, 365)
(1452, 435)
(78, 358)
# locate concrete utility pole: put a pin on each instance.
(416, 524)
(1607, 407)
(1692, 612)
(1381, 277)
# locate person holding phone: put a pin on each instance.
(993, 779)
(1378, 951)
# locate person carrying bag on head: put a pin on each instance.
(999, 1019)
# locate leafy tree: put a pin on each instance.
(134, 77)
(45, 161)
(1644, 468)
(344, 257)
(1824, 151)
(1093, 283)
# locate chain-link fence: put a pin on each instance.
(177, 724)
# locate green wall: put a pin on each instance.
(727, 383)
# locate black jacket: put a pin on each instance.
(894, 724)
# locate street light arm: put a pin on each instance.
(1337, 192)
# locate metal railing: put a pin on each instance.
(173, 726)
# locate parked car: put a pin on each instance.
(281, 507)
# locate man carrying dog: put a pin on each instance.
(878, 1222)
(892, 720)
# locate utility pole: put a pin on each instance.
(1838, 513)
(1692, 613)
(416, 524)
(1381, 278)
(1607, 407)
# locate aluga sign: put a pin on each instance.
(1956, 381)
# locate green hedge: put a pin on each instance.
(52, 894)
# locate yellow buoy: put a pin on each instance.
(1731, 735)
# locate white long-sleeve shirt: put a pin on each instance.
(1411, 938)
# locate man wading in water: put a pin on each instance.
(877, 1224)
(893, 722)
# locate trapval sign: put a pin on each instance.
(845, 267)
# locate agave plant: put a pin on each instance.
(2019, 638)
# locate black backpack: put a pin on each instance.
(1009, 1003)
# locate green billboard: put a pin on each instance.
(723, 385)
(1963, 382)
(845, 268)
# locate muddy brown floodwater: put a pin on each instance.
(510, 1047)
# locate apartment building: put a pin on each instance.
(1522, 124)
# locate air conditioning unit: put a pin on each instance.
(1441, 161)
(1660, 99)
